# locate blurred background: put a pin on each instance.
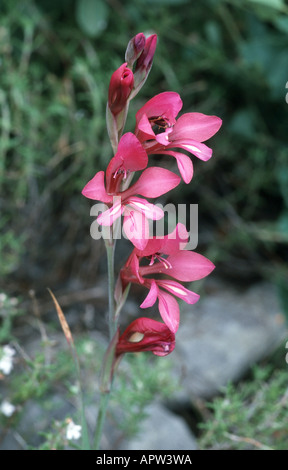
(227, 58)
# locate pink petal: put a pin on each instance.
(188, 266)
(196, 148)
(144, 129)
(163, 138)
(153, 246)
(95, 189)
(134, 265)
(167, 245)
(169, 310)
(152, 295)
(196, 126)
(146, 208)
(184, 163)
(108, 217)
(131, 152)
(175, 240)
(166, 105)
(153, 182)
(136, 228)
(179, 291)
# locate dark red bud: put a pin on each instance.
(121, 85)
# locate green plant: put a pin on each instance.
(250, 415)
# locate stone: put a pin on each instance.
(223, 335)
(161, 430)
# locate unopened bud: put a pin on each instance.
(134, 49)
(121, 85)
(143, 64)
(146, 58)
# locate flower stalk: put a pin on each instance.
(159, 265)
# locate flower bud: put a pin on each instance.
(146, 58)
(144, 63)
(121, 85)
(134, 49)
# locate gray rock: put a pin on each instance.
(222, 335)
(162, 430)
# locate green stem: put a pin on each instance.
(104, 399)
(108, 360)
(110, 249)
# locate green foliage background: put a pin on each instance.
(227, 58)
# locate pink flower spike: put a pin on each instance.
(195, 126)
(145, 334)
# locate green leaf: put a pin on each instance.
(276, 4)
(165, 2)
(92, 16)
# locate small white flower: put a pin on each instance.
(73, 431)
(8, 351)
(3, 297)
(6, 360)
(7, 409)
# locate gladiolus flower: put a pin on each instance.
(153, 182)
(145, 334)
(121, 85)
(160, 132)
(166, 256)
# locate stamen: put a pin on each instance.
(120, 171)
(159, 121)
(164, 261)
(152, 260)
